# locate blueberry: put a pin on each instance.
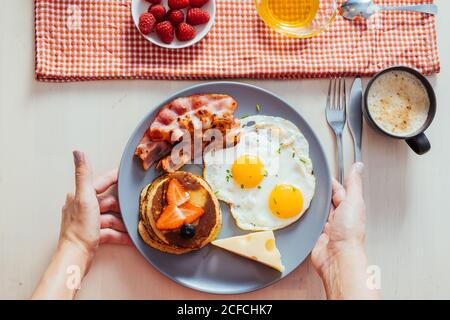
(187, 231)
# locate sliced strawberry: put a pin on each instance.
(176, 193)
(172, 218)
(191, 212)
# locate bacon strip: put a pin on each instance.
(203, 111)
(150, 151)
(188, 113)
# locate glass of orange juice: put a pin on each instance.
(297, 18)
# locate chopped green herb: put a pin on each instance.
(245, 116)
(266, 173)
(216, 193)
(228, 175)
(242, 186)
(293, 155)
(279, 149)
(258, 107)
(259, 187)
(303, 160)
(274, 201)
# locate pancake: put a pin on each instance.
(147, 233)
(153, 201)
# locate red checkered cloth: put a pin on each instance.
(96, 39)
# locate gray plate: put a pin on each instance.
(213, 269)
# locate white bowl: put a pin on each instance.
(139, 7)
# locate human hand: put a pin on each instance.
(89, 216)
(345, 230)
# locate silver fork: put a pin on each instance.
(336, 117)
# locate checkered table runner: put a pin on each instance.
(97, 40)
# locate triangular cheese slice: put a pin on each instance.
(258, 246)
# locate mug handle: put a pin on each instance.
(420, 144)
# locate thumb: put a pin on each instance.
(83, 174)
(353, 183)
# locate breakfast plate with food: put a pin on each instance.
(224, 188)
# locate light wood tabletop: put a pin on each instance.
(41, 123)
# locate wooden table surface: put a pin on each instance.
(40, 124)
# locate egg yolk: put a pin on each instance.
(248, 171)
(285, 201)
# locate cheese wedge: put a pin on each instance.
(258, 246)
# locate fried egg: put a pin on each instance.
(267, 178)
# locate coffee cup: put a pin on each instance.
(400, 102)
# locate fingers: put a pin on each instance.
(353, 183)
(111, 236)
(112, 222)
(108, 203)
(102, 183)
(338, 193)
(83, 173)
(113, 231)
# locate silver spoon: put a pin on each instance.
(357, 9)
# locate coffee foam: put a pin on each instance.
(399, 103)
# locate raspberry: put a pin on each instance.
(196, 16)
(154, 1)
(178, 4)
(165, 31)
(185, 32)
(158, 11)
(175, 16)
(197, 3)
(146, 23)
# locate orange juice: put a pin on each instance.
(287, 14)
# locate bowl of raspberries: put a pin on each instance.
(173, 24)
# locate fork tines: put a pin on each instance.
(337, 99)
